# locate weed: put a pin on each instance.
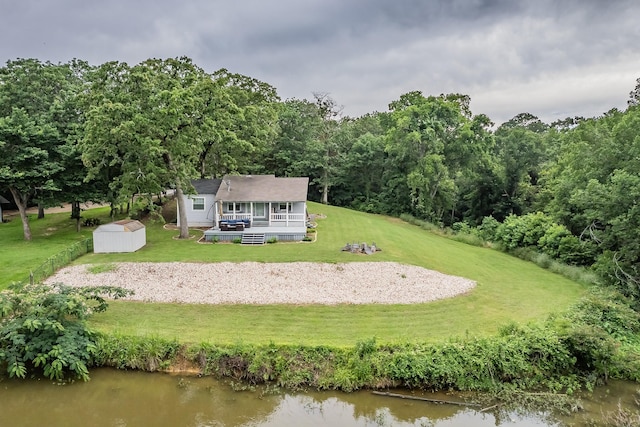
(101, 268)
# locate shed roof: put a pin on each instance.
(126, 225)
(206, 186)
(4, 201)
(130, 224)
(262, 188)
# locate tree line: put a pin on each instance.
(73, 132)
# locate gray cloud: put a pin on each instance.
(553, 59)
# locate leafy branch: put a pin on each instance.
(43, 328)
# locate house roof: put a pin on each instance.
(262, 188)
(206, 186)
(4, 201)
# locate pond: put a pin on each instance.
(123, 399)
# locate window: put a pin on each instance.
(231, 206)
(198, 203)
(283, 207)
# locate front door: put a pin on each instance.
(259, 211)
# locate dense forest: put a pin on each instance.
(75, 133)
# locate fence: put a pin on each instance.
(59, 260)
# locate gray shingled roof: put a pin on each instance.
(262, 188)
(206, 186)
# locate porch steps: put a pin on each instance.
(253, 239)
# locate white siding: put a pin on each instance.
(110, 238)
(199, 218)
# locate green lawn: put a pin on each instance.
(508, 289)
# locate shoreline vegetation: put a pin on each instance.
(521, 329)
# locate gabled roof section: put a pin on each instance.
(119, 226)
(206, 186)
(262, 188)
(130, 224)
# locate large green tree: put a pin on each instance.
(431, 142)
(36, 128)
(146, 125)
(245, 117)
(519, 152)
(359, 178)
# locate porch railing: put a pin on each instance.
(287, 217)
(228, 216)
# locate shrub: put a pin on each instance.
(91, 222)
(43, 328)
(127, 352)
(521, 231)
(488, 228)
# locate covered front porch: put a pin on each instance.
(262, 214)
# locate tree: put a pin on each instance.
(297, 150)
(44, 328)
(146, 125)
(32, 135)
(329, 111)
(359, 176)
(431, 142)
(245, 117)
(520, 153)
(634, 95)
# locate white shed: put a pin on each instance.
(121, 236)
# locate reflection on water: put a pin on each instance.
(118, 399)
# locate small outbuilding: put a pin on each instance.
(127, 235)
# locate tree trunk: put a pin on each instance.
(182, 210)
(325, 188)
(22, 208)
(40, 211)
(76, 214)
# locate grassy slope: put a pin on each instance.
(508, 289)
(51, 235)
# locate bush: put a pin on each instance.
(560, 244)
(43, 328)
(487, 230)
(521, 231)
(145, 353)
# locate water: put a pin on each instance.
(126, 399)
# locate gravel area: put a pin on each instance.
(271, 283)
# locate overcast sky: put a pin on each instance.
(554, 59)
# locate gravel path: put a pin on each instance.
(270, 283)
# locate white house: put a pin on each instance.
(127, 235)
(250, 204)
(200, 207)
